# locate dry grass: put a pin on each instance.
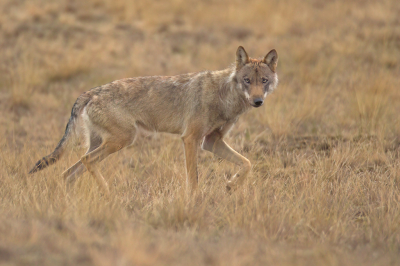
(325, 148)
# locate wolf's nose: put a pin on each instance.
(258, 102)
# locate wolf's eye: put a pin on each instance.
(247, 80)
(264, 80)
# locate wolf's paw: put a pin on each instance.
(230, 186)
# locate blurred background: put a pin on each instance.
(325, 146)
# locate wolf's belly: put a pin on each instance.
(162, 124)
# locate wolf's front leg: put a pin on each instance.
(217, 145)
(191, 145)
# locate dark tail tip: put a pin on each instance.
(43, 163)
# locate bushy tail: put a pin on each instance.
(66, 139)
(58, 151)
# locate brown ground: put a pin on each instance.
(325, 148)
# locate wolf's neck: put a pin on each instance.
(232, 98)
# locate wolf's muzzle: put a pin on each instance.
(257, 102)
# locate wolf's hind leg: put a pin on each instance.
(78, 168)
(90, 159)
(71, 173)
(217, 145)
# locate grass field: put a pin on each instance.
(325, 147)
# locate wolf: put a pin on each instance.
(201, 107)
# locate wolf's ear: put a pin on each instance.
(241, 58)
(271, 59)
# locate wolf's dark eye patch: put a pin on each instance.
(247, 80)
(264, 80)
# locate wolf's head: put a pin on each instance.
(256, 78)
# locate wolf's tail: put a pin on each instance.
(69, 134)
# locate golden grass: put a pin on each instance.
(325, 148)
